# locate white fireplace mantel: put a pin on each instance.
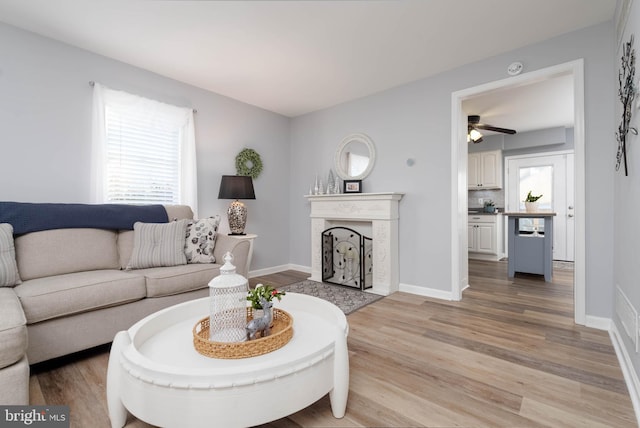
(379, 209)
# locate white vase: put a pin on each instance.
(531, 207)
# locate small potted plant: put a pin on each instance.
(265, 292)
(531, 203)
(489, 206)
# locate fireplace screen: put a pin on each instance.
(347, 258)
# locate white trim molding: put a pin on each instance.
(276, 269)
(459, 189)
(426, 292)
(598, 323)
(630, 375)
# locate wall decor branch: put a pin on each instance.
(626, 92)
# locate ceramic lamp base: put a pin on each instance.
(237, 213)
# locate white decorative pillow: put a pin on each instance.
(201, 239)
(158, 244)
(8, 267)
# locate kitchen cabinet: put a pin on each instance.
(485, 170)
(486, 236)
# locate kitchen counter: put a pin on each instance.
(537, 214)
(480, 212)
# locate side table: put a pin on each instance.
(248, 237)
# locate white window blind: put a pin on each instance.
(143, 150)
(143, 158)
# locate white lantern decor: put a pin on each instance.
(228, 302)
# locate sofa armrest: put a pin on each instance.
(238, 248)
(13, 328)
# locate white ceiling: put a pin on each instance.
(544, 104)
(294, 57)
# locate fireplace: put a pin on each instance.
(347, 258)
(370, 214)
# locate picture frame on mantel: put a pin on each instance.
(352, 186)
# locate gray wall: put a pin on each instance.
(627, 198)
(414, 121)
(45, 118)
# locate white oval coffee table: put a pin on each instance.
(156, 374)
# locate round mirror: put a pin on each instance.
(355, 157)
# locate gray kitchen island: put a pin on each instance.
(530, 251)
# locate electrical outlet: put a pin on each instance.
(481, 201)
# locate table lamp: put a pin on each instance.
(236, 187)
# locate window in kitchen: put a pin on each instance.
(143, 151)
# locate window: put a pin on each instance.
(143, 150)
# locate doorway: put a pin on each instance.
(459, 201)
(551, 176)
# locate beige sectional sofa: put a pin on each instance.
(77, 293)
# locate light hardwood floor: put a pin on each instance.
(507, 355)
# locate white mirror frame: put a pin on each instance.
(360, 138)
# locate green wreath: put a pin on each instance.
(248, 162)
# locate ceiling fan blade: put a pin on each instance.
(494, 128)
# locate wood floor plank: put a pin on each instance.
(555, 417)
(507, 355)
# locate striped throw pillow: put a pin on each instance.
(158, 244)
(8, 267)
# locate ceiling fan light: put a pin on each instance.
(474, 135)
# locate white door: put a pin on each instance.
(549, 175)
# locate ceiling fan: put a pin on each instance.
(473, 135)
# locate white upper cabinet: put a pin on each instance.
(485, 170)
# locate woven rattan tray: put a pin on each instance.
(281, 333)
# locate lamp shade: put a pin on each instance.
(236, 187)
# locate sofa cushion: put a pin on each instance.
(8, 267)
(13, 330)
(178, 212)
(125, 237)
(125, 247)
(61, 251)
(14, 384)
(61, 295)
(201, 240)
(158, 244)
(167, 281)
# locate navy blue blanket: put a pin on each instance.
(29, 217)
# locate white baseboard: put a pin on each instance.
(630, 375)
(598, 322)
(276, 269)
(426, 292)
